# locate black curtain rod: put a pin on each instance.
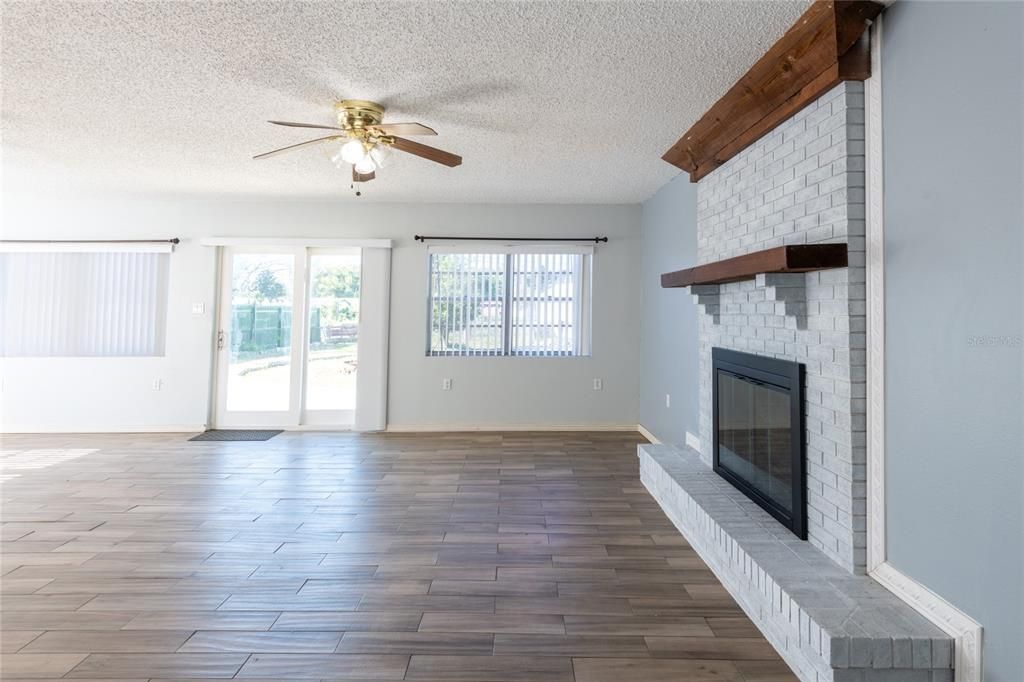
(90, 241)
(596, 240)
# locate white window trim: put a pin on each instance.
(485, 247)
(301, 242)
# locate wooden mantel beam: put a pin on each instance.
(793, 258)
(826, 46)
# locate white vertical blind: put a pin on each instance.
(467, 303)
(514, 302)
(545, 303)
(83, 304)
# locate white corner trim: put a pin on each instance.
(875, 247)
(967, 632)
(692, 442)
(967, 650)
(647, 434)
(312, 242)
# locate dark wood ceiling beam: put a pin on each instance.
(826, 46)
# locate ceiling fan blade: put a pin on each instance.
(425, 152)
(405, 129)
(362, 177)
(304, 125)
(293, 146)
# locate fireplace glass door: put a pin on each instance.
(754, 439)
(758, 432)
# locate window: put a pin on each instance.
(83, 303)
(513, 302)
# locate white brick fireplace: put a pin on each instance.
(802, 183)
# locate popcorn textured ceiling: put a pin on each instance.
(565, 102)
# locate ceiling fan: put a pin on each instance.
(363, 141)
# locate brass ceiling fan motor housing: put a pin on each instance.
(357, 114)
(362, 120)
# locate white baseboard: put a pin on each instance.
(103, 428)
(647, 434)
(692, 441)
(459, 428)
(327, 428)
(966, 631)
(394, 428)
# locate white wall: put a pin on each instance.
(70, 394)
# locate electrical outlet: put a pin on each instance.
(158, 384)
(446, 384)
(668, 400)
(598, 384)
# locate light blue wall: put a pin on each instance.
(56, 394)
(954, 222)
(669, 326)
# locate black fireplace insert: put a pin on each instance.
(758, 432)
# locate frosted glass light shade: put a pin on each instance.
(365, 165)
(353, 151)
(380, 153)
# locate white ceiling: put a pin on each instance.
(546, 101)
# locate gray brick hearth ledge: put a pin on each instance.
(828, 624)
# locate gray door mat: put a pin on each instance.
(237, 434)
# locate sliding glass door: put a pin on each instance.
(332, 345)
(287, 337)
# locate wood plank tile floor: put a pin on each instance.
(486, 557)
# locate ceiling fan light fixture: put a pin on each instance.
(353, 151)
(380, 154)
(362, 142)
(332, 151)
(365, 165)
